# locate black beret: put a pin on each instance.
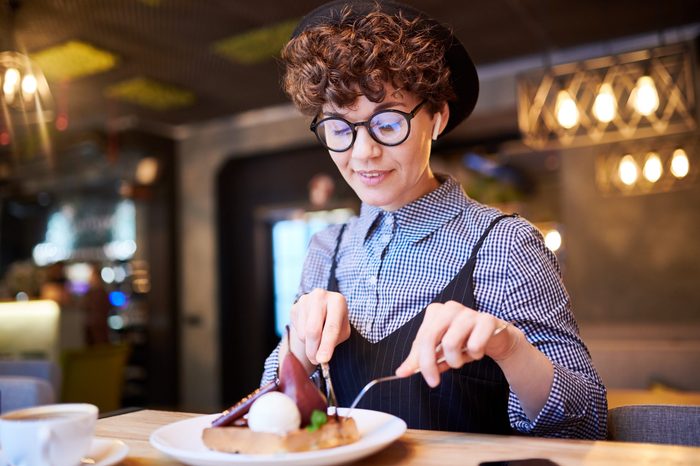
(463, 77)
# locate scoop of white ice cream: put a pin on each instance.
(275, 413)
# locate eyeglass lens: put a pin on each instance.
(388, 127)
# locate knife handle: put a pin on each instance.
(243, 406)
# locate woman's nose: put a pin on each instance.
(365, 147)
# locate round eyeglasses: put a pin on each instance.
(387, 127)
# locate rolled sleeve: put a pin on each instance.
(537, 302)
(570, 410)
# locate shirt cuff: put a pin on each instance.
(564, 410)
(271, 366)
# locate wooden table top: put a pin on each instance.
(426, 448)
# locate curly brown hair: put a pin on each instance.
(337, 61)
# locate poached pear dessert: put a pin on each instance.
(289, 416)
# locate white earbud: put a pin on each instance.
(436, 128)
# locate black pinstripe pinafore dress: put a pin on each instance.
(473, 398)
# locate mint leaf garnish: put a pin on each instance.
(318, 418)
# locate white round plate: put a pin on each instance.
(182, 440)
(105, 452)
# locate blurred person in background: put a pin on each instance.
(55, 284)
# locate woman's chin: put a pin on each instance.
(381, 195)
(383, 202)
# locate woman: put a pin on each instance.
(424, 266)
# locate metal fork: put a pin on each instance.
(387, 378)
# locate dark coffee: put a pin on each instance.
(42, 416)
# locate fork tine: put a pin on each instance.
(366, 388)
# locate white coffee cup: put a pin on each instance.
(49, 435)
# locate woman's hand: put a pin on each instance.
(319, 322)
(456, 327)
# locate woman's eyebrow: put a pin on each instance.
(387, 104)
(382, 106)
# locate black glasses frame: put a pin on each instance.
(353, 126)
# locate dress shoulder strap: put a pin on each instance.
(480, 242)
(332, 281)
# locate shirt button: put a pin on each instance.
(372, 281)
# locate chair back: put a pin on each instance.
(17, 392)
(42, 369)
(94, 375)
(667, 424)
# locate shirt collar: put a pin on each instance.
(423, 216)
(368, 218)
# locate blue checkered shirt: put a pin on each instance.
(391, 265)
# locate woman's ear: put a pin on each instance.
(441, 118)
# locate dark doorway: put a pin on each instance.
(247, 190)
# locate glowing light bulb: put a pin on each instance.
(552, 239)
(11, 79)
(644, 97)
(566, 110)
(605, 105)
(628, 170)
(29, 86)
(653, 169)
(11, 84)
(680, 165)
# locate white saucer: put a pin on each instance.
(105, 452)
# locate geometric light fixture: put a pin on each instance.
(648, 166)
(26, 104)
(627, 96)
(24, 87)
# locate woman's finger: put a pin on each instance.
(485, 324)
(456, 336)
(410, 364)
(298, 317)
(335, 328)
(315, 312)
(435, 324)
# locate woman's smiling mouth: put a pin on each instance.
(372, 177)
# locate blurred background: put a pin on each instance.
(157, 190)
